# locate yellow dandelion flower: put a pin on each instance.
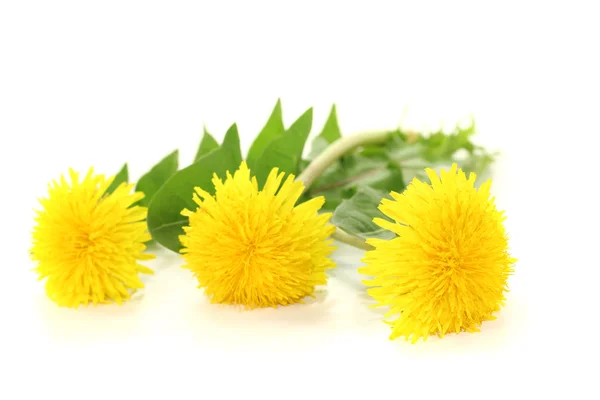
(447, 269)
(257, 248)
(88, 243)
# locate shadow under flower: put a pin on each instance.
(88, 324)
(310, 321)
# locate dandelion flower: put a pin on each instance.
(447, 269)
(88, 243)
(257, 248)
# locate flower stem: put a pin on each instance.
(335, 151)
(352, 240)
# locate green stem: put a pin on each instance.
(335, 151)
(352, 240)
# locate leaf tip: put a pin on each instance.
(174, 155)
(233, 127)
(308, 114)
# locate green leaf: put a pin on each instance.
(207, 144)
(393, 164)
(399, 150)
(121, 177)
(335, 197)
(440, 147)
(165, 221)
(285, 151)
(355, 215)
(331, 130)
(360, 170)
(390, 178)
(478, 163)
(329, 134)
(231, 144)
(272, 129)
(152, 181)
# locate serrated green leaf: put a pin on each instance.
(272, 129)
(285, 151)
(393, 164)
(121, 177)
(355, 215)
(388, 166)
(207, 144)
(441, 147)
(152, 181)
(165, 221)
(330, 133)
(231, 144)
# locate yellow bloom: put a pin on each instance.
(87, 243)
(447, 270)
(255, 247)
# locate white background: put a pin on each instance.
(100, 83)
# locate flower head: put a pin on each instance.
(447, 269)
(88, 243)
(257, 248)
